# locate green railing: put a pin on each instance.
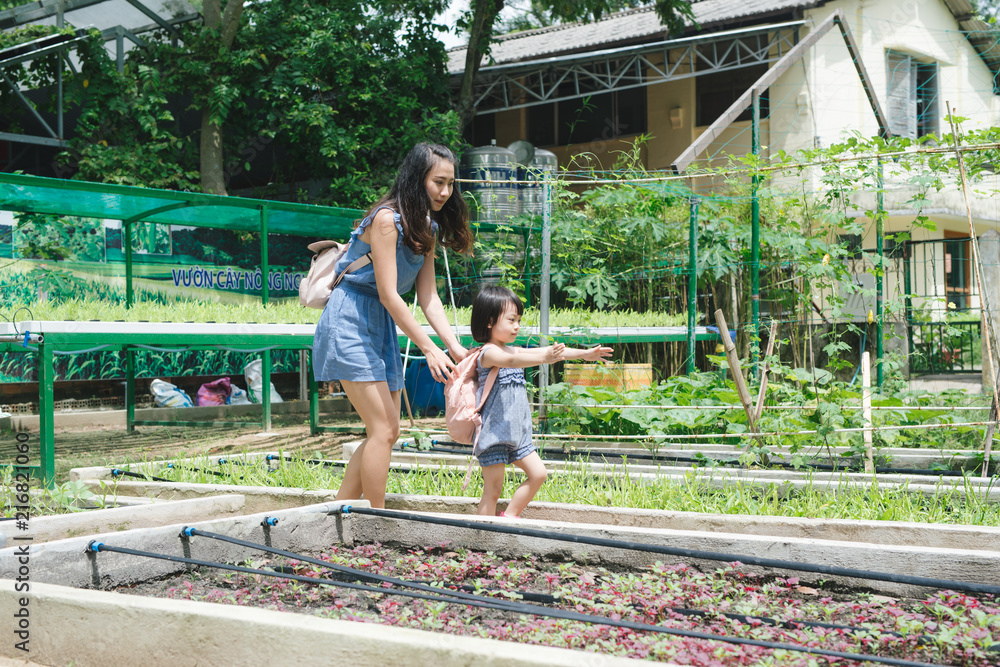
(945, 347)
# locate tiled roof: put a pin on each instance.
(634, 25)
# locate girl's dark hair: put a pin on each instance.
(408, 197)
(489, 305)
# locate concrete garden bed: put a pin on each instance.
(184, 629)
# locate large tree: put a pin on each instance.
(481, 22)
(329, 91)
(218, 33)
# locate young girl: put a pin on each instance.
(355, 340)
(505, 436)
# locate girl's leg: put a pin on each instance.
(368, 468)
(535, 470)
(492, 488)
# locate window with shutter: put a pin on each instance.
(902, 99)
(912, 92)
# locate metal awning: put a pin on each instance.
(117, 20)
(37, 194)
(531, 83)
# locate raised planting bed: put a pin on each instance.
(640, 590)
(945, 628)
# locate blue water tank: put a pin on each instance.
(425, 393)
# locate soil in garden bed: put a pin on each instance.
(946, 628)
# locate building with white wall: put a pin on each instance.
(591, 89)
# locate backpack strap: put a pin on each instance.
(490, 380)
(364, 260)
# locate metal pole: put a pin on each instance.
(129, 389)
(59, 80)
(265, 271)
(127, 247)
(525, 274)
(879, 273)
(265, 389)
(46, 414)
(313, 396)
(692, 282)
(545, 300)
(755, 241)
(908, 288)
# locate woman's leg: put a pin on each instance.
(368, 468)
(535, 470)
(492, 488)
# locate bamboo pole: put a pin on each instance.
(734, 366)
(763, 376)
(988, 440)
(866, 406)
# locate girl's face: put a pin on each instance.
(440, 182)
(507, 326)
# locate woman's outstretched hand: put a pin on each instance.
(440, 366)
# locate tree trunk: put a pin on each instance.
(213, 178)
(484, 15)
(212, 157)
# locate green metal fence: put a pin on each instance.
(945, 347)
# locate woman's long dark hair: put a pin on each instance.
(408, 197)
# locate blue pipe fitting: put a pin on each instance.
(170, 465)
(346, 509)
(27, 337)
(269, 521)
(222, 462)
(95, 546)
(270, 457)
(434, 441)
(187, 531)
(116, 472)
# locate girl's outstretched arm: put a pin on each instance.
(521, 357)
(591, 354)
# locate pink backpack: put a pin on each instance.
(461, 411)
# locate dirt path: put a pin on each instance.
(114, 446)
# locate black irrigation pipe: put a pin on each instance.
(542, 598)
(528, 595)
(118, 472)
(940, 584)
(315, 462)
(328, 464)
(557, 455)
(344, 569)
(97, 547)
(194, 469)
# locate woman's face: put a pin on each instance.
(440, 182)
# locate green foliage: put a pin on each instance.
(826, 406)
(877, 502)
(340, 90)
(127, 132)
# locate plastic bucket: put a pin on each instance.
(619, 376)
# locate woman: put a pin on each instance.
(355, 340)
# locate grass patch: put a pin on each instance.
(949, 505)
